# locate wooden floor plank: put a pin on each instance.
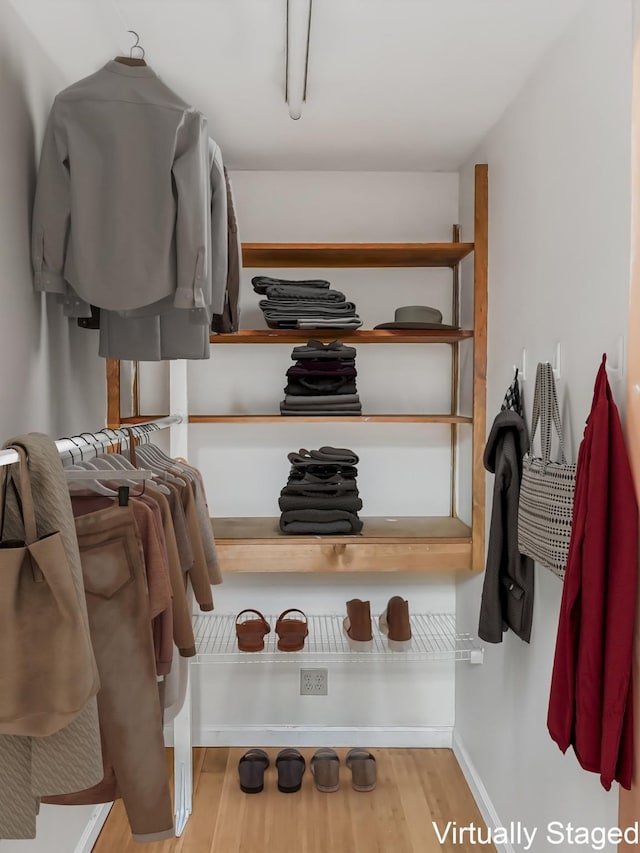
(208, 782)
(416, 809)
(415, 787)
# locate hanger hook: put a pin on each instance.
(92, 441)
(136, 45)
(70, 451)
(105, 432)
(112, 435)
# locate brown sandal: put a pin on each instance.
(325, 767)
(363, 769)
(251, 632)
(291, 632)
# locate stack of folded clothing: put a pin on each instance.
(322, 381)
(307, 304)
(321, 495)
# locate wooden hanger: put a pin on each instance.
(131, 59)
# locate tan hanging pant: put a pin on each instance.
(128, 702)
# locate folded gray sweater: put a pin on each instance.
(319, 522)
(333, 387)
(297, 402)
(310, 486)
(324, 456)
(303, 293)
(334, 323)
(262, 282)
(349, 503)
(314, 349)
(320, 413)
(300, 307)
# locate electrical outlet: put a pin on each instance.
(314, 682)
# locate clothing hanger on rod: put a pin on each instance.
(77, 480)
(150, 455)
(88, 475)
(116, 461)
(70, 452)
(92, 443)
(131, 59)
(119, 462)
(128, 478)
(152, 451)
(91, 478)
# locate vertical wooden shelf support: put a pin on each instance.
(455, 377)
(480, 305)
(113, 393)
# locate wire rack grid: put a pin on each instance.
(433, 637)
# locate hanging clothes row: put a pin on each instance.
(133, 215)
(134, 546)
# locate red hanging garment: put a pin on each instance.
(590, 704)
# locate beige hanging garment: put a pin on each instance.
(47, 668)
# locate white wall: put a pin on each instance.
(50, 377)
(404, 468)
(559, 184)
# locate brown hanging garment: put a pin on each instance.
(47, 671)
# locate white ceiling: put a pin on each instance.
(393, 84)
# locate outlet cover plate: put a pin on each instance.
(314, 682)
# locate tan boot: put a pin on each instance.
(394, 622)
(357, 625)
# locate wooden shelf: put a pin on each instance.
(363, 336)
(379, 419)
(273, 419)
(376, 529)
(140, 419)
(407, 544)
(362, 255)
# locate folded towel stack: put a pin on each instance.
(307, 304)
(321, 495)
(322, 381)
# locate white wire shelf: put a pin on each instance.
(433, 638)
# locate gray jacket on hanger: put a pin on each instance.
(507, 594)
(121, 211)
(172, 332)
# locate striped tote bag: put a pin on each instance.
(546, 492)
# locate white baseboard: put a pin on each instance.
(480, 793)
(92, 829)
(283, 735)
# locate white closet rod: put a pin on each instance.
(102, 439)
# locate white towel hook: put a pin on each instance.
(556, 367)
(522, 367)
(615, 371)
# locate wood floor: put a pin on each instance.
(415, 787)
